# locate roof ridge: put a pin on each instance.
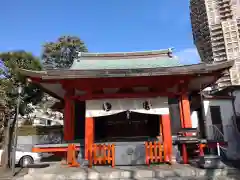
(167, 52)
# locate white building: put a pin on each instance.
(40, 117)
(221, 116)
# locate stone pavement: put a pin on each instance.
(60, 172)
(6, 174)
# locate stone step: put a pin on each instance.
(92, 174)
(29, 177)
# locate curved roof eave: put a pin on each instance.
(201, 68)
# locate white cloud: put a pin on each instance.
(188, 56)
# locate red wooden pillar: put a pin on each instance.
(186, 122)
(185, 111)
(167, 137)
(89, 134)
(68, 117)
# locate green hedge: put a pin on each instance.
(38, 130)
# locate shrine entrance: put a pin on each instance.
(127, 126)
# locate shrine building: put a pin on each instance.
(126, 98)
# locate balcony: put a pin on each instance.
(218, 44)
(217, 38)
(222, 2)
(216, 27)
(217, 34)
(223, 6)
(225, 11)
(225, 79)
(220, 56)
(224, 84)
(220, 60)
(226, 16)
(219, 50)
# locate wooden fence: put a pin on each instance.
(102, 154)
(156, 153)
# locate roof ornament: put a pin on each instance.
(170, 52)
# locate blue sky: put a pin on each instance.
(105, 26)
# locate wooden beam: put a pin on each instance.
(126, 82)
(123, 95)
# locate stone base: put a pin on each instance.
(58, 172)
(211, 162)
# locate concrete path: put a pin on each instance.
(59, 172)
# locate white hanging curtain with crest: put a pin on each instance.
(106, 107)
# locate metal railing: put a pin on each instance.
(215, 132)
(219, 132)
(230, 135)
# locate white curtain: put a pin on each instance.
(159, 106)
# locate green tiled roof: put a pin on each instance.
(148, 62)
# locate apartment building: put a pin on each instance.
(216, 34)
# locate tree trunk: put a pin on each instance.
(8, 137)
(6, 148)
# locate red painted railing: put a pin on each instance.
(156, 153)
(102, 154)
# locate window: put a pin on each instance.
(235, 44)
(228, 39)
(229, 45)
(227, 34)
(234, 33)
(236, 49)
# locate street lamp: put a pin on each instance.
(15, 126)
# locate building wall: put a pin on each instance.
(215, 29)
(236, 103)
(236, 94)
(226, 115)
(194, 117)
(229, 132)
